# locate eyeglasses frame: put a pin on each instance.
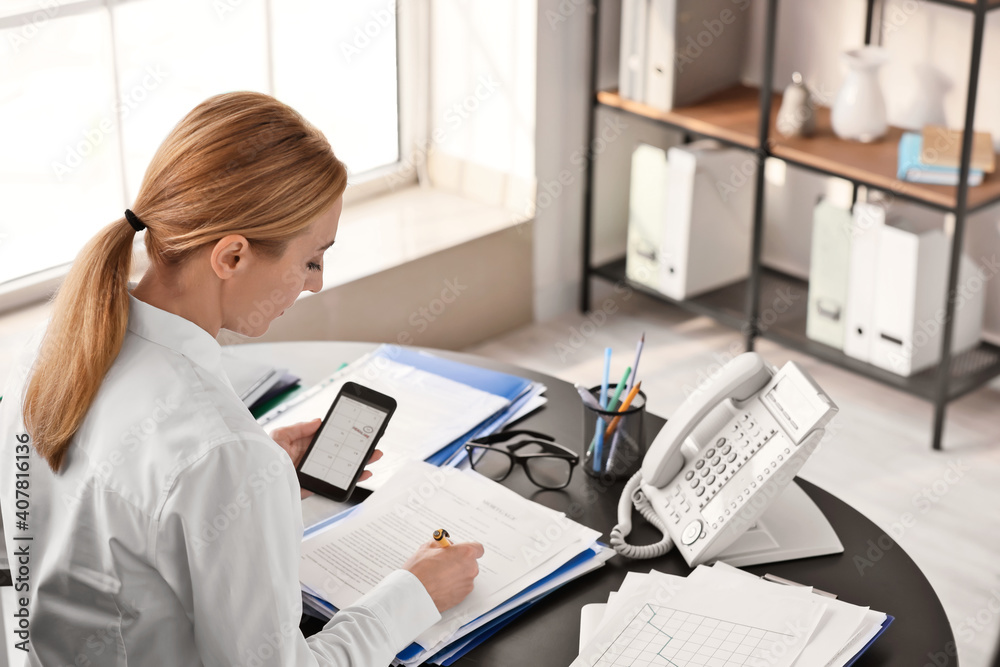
(555, 450)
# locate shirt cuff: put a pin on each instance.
(403, 606)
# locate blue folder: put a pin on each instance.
(885, 624)
(480, 633)
(497, 383)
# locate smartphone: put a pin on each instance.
(347, 437)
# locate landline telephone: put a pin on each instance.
(724, 456)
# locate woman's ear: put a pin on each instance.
(229, 255)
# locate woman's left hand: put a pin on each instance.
(295, 440)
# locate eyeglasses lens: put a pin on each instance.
(490, 462)
(550, 472)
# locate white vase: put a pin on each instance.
(859, 110)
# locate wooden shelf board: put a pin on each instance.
(732, 116)
(874, 163)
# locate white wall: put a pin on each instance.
(563, 105)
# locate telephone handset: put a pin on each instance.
(726, 453)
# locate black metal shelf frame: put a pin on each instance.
(953, 377)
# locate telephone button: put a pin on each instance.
(705, 471)
(692, 532)
(720, 469)
(689, 475)
(746, 416)
(710, 453)
(699, 463)
(720, 442)
(710, 480)
(700, 491)
(726, 449)
(694, 483)
(731, 457)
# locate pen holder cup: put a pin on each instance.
(619, 455)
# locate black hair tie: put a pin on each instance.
(134, 220)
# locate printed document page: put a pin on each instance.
(523, 540)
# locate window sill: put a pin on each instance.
(388, 231)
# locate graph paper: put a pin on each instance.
(659, 636)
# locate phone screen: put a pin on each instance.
(344, 441)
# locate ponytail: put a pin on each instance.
(238, 163)
(88, 324)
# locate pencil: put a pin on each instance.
(627, 402)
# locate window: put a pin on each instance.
(89, 90)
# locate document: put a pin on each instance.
(523, 541)
(709, 618)
(432, 411)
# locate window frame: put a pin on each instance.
(412, 101)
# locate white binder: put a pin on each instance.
(645, 215)
(911, 278)
(632, 56)
(706, 229)
(659, 64)
(866, 222)
(694, 48)
(828, 273)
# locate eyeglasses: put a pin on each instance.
(547, 464)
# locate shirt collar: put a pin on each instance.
(176, 333)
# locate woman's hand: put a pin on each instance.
(295, 440)
(448, 573)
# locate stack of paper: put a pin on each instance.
(253, 381)
(529, 551)
(441, 404)
(722, 615)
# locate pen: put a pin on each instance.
(441, 537)
(635, 365)
(618, 390)
(627, 402)
(587, 397)
(598, 440)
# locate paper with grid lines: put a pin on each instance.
(706, 621)
(661, 636)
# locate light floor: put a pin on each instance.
(879, 459)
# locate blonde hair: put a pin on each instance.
(238, 163)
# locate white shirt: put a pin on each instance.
(172, 534)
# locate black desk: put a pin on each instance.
(548, 634)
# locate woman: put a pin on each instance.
(127, 562)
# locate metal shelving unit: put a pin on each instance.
(744, 117)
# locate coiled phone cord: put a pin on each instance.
(634, 495)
